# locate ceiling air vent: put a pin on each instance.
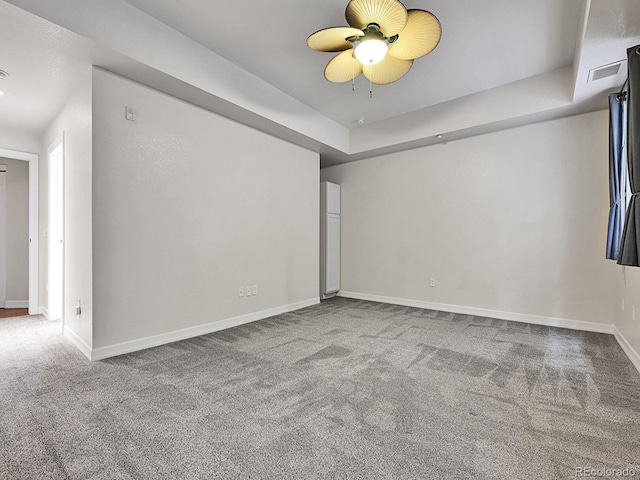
(605, 71)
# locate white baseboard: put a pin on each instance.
(16, 304)
(43, 311)
(516, 317)
(628, 349)
(177, 335)
(77, 341)
(482, 312)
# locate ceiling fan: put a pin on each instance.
(382, 41)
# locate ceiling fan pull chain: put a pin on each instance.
(370, 89)
(353, 77)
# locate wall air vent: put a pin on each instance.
(605, 71)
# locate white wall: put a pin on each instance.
(21, 141)
(629, 290)
(513, 221)
(17, 230)
(75, 121)
(187, 206)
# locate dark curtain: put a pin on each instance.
(630, 247)
(617, 172)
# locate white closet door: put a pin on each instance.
(333, 198)
(333, 253)
(56, 234)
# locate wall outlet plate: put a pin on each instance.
(240, 292)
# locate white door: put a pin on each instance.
(56, 231)
(333, 253)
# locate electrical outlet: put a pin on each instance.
(247, 292)
(255, 289)
(432, 282)
(240, 292)
(78, 308)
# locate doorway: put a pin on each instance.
(56, 230)
(14, 237)
(32, 158)
(3, 235)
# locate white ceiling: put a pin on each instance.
(43, 60)
(500, 63)
(40, 67)
(484, 44)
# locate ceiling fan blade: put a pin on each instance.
(420, 36)
(333, 39)
(390, 15)
(343, 68)
(387, 71)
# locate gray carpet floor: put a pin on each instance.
(347, 389)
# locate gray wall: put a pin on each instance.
(188, 206)
(17, 230)
(513, 221)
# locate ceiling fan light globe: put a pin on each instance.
(370, 52)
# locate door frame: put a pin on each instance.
(34, 269)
